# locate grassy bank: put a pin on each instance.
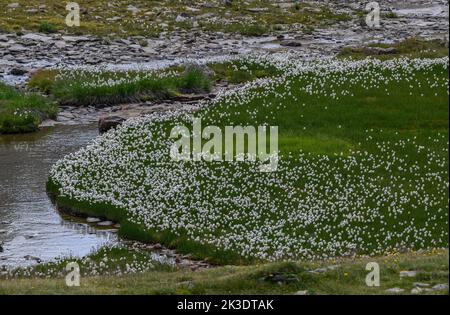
(363, 168)
(99, 87)
(23, 112)
(343, 276)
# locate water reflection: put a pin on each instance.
(29, 224)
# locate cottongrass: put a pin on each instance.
(315, 206)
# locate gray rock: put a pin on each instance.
(305, 292)
(17, 48)
(105, 223)
(18, 71)
(420, 285)
(409, 274)
(76, 39)
(180, 18)
(257, 10)
(13, 5)
(395, 290)
(93, 220)
(133, 9)
(281, 278)
(37, 37)
(29, 257)
(440, 287)
(416, 290)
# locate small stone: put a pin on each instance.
(29, 257)
(395, 290)
(93, 220)
(133, 9)
(305, 292)
(440, 287)
(409, 274)
(257, 10)
(18, 71)
(416, 290)
(105, 223)
(36, 37)
(333, 267)
(291, 43)
(180, 18)
(48, 123)
(420, 285)
(13, 5)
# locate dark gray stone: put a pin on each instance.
(109, 122)
(291, 43)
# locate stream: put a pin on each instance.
(31, 229)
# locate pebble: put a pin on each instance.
(93, 220)
(105, 223)
(416, 291)
(440, 287)
(409, 274)
(395, 290)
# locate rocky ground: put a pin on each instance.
(23, 53)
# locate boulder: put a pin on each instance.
(18, 71)
(109, 122)
(93, 220)
(395, 290)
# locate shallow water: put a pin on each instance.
(30, 226)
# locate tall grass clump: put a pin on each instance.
(102, 88)
(20, 112)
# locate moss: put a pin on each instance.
(47, 27)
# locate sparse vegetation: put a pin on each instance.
(346, 277)
(119, 19)
(47, 27)
(410, 47)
